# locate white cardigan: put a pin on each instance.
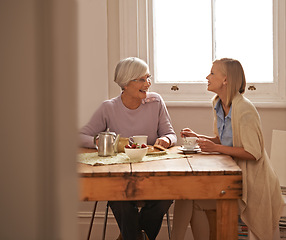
(261, 202)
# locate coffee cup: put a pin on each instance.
(190, 143)
(140, 139)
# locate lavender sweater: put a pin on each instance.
(151, 118)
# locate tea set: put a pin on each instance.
(110, 143)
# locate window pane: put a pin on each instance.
(182, 40)
(244, 31)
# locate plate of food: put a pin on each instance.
(156, 150)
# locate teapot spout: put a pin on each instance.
(116, 141)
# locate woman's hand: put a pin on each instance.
(207, 145)
(186, 132)
(163, 141)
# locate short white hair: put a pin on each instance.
(129, 69)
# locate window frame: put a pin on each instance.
(136, 39)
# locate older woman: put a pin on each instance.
(238, 133)
(134, 112)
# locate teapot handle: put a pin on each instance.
(96, 137)
(116, 141)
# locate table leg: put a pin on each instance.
(227, 219)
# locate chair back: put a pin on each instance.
(278, 155)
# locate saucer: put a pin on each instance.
(185, 150)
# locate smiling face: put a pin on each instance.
(217, 80)
(137, 88)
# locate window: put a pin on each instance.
(180, 39)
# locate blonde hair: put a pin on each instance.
(235, 77)
(129, 69)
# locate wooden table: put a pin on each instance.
(202, 176)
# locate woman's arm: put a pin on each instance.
(238, 152)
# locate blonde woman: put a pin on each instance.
(237, 130)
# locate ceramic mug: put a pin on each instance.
(190, 143)
(121, 144)
(140, 139)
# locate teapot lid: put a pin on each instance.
(107, 132)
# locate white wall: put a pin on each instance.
(92, 57)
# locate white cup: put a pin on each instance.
(140, 139)
(190, 143)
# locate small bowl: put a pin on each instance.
(136, 153)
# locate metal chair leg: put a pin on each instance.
(91, 221)
(168, 223)
(105, 222)
(144, 236)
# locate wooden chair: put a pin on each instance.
(105, 222)
(278, 154)
(278, 159)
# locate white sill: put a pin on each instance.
(281, 104)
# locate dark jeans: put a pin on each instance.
(131, 221)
